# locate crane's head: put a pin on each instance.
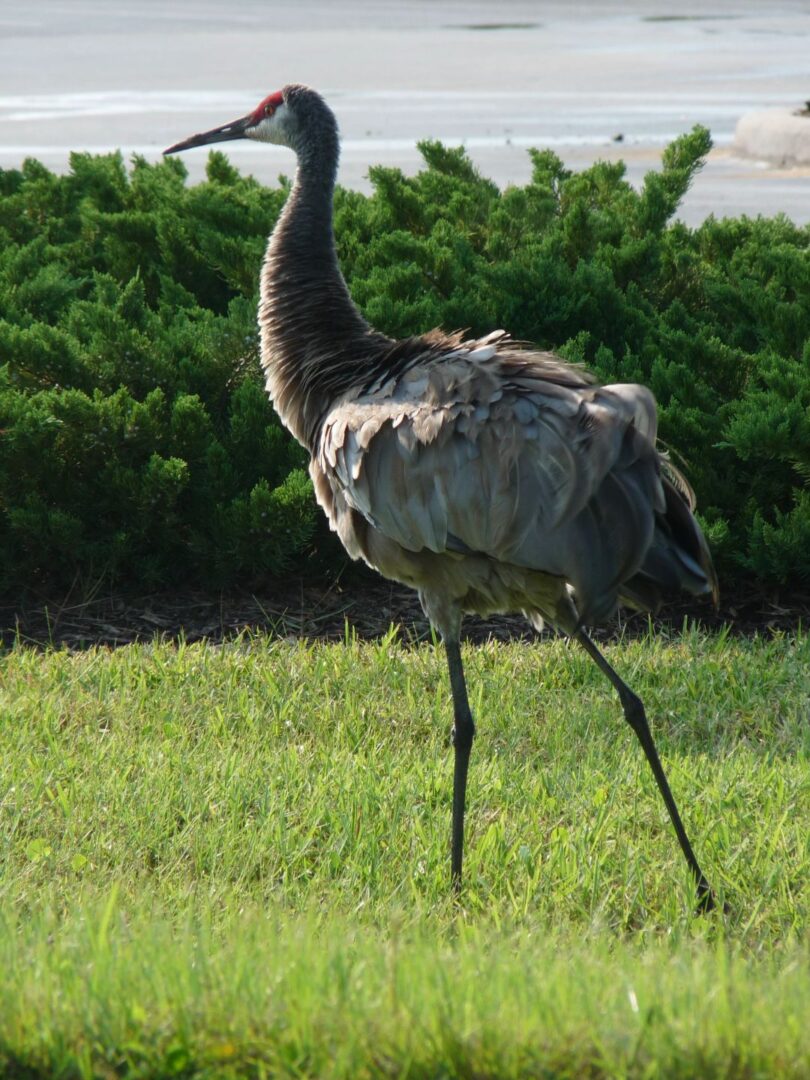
(271, 121)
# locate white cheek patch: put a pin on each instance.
(272, 129)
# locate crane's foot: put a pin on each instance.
(707, 901)
(455, 882)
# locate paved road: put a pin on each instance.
(497, 76)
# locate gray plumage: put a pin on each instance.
(488, 476)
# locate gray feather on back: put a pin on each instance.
(508, 454)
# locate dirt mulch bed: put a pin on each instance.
(360, 604)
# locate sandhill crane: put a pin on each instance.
(489, 477)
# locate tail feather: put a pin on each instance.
(678, 557)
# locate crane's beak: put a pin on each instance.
(235, 130)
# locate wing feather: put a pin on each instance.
(526, 462)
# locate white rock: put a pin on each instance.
(780, 136)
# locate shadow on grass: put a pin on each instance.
(357, 604)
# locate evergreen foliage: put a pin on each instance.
(136, 440)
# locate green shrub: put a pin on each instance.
(136, 441)
(716, 320)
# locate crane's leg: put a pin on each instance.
(463, 732)
(637, 719)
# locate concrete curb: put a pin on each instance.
(781, 136)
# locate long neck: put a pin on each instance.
(312, 336)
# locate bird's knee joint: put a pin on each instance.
(463, 732)
(634, 710)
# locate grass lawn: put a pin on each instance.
(234, 861)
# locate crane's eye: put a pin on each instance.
(266, 108)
